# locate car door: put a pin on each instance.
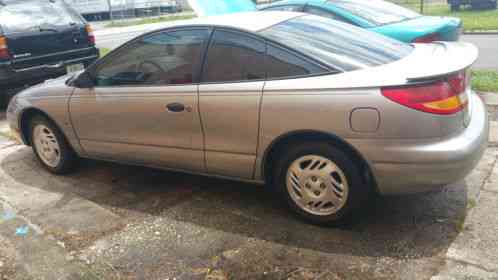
(144, 105)
(229, 99)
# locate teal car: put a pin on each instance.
(379, 16)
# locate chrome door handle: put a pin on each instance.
(175, 107)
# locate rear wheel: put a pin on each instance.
(320, 183)
(51, 147)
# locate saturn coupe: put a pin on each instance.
(379, 16)
(325, 113)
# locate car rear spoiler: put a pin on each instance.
(446, 58)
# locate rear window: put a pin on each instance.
(19, 16)
(339, 45)
(377, 12)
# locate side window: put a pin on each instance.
(233, 56)
(289, 8)
(323, 13)
(281, 63)
(167, 58)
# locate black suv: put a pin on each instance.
(474, 4)
(41, 39)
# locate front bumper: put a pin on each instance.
(412, 166)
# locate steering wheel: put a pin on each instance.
(155, 65)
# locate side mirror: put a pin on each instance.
(84, 81)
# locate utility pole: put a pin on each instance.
(110, 9)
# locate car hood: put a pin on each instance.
(420, 26)
(50, 88)
(219, 7)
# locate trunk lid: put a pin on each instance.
(441, 61)
(426, 64)
(46, 47)
(447, 28)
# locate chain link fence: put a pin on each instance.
(420, 6)
(96, 10)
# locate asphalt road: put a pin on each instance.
(488, 50)
(112, 38)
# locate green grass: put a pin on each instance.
(7, 135)
(149, 20)
(472, 20)
(485, 80)
(484, 20)
(104, 52)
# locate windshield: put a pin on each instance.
(21, 16)
(377, 12)
(340, 45)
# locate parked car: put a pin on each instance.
(41, 39)
(325, 112)
(379, 16)
(474, 4)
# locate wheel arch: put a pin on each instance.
(26, 115)
(278, 144)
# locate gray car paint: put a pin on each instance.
(231, 127)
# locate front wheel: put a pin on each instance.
(51, 147)
(320, 183)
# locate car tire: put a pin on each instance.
(4, 100)
(51, 147)
(319, 164)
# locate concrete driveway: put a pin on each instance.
(110, 221)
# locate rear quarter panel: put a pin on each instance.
(313, 104)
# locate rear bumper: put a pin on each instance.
(423, 165)
(18, 78)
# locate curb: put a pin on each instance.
(480, 33)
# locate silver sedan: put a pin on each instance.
(325, 113)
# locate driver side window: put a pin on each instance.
(167, 58)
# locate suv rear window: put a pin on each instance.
(339, 45)
(19, 16)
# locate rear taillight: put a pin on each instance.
(428, 38)
(442, 97)
(91, 36)
(4, 50)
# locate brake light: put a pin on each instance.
(428, 38)
(91, 36)
(4, 50)
(442, 97)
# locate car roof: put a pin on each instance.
(249, 21)
(295, 2)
